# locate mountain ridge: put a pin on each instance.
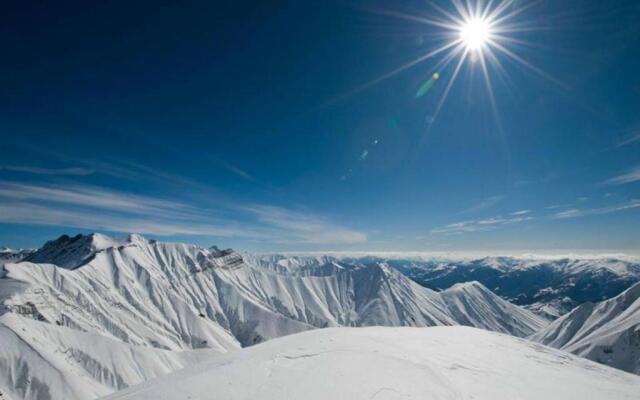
(607, 332)
(550, 287)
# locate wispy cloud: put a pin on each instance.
(232, 168)
(583, 212)
(91, 207)
(481, 225)
(488, 224)
(305, 228)
(633, 175)
(557, 206)
(459, 227)
(571, 213)
(483, 205)
(21, 213)
(75, 171)
(128, 170)
(634, 137)
(86, 196)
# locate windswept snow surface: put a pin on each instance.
(393, 363)
(159, 303)
(607, 332)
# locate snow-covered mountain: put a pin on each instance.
(111, 322)
(607, 332)
(393, 363)
(165, 304)
(549, 287)
(155, 282)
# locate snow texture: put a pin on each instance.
(393, 363)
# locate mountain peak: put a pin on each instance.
(136, 238)
(72, 251)
(474, 304)
(470, 287)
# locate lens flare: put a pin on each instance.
(427, 85)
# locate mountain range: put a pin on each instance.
(88, 315)
(548, 286)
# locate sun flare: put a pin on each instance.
(475, 33)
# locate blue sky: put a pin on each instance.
(254, 126)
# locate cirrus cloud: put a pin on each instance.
(92, 207)
(632, 175)
(74, 171)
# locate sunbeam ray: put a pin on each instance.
(396, 71)
(417, 18)
(528, 65)
(456, 20)
(450, 84)
(498, 20)
(487, 8)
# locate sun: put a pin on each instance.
(478, 34)
(475, 33)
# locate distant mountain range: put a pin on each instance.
(88, 315)
(549, 287)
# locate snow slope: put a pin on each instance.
(607, 332)
(320, 265)
(43, 361)
(393, 363)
